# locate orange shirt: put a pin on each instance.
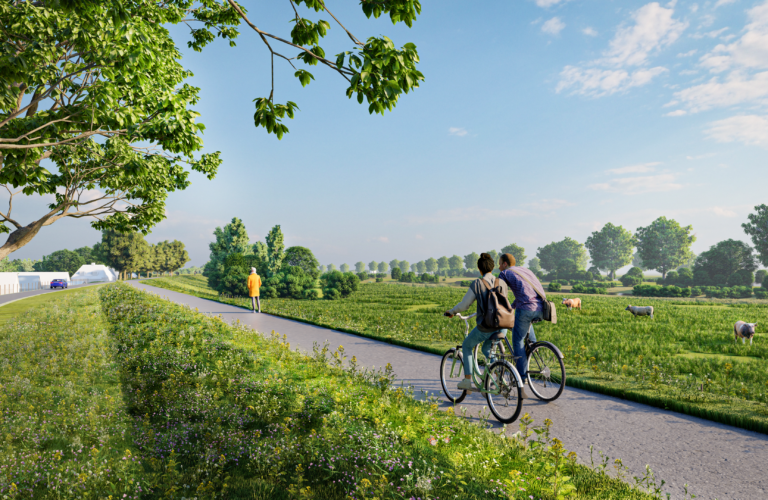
(254, 282)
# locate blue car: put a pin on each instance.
(59, 283)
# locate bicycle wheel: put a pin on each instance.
(546, 372)
(507, 403)
(451, 373)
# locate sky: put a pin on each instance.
(537, 119)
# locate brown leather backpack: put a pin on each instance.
(498, 311)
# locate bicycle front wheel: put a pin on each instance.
(546, 372)
(451, 373)
(504, 394)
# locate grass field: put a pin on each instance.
(684, 359)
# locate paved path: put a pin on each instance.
(715, 460)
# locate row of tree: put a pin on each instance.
(664, 245)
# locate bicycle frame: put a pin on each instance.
(479, 378)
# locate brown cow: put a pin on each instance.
(572, 303)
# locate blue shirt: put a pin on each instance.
(526, 298)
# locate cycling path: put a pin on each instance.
(715, 460)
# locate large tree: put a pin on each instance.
(95, 114)
(394, 263)
(383, 267)
(89, 254)
(231, 239)
(373, 266)
(717, 265)
(455, 263)
(611, 248)
(169, 256)
(470, 261)
(275, 250)
(421, 267)
(304, 258)
(534, 264)
(565, 253)
(360, 267)
(664, 245)
(517, 251)
(404, 266)
(125, 252)
(757, 229)
(442, 263)
(431, 264)
(60, 261)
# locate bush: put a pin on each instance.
(685, 277)
(292, 282)
(362, 276)
(579, 288)
(311, 294)
(234, 278)
(696, 291)
(554, 287)
(337, 284)
(765, 283)
(379, 280)
(631, 279)
(396, 274)
(661, 291)
(635, 271)
(761, 293)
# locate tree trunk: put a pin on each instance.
(20, 237)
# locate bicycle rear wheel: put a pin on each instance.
(451, 373)
(546, 372)
(507, 402)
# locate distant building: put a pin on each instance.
(90, 273)
(20, 282)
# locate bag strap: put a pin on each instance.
(540, 294)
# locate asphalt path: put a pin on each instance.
(715, 460)
(13, 297)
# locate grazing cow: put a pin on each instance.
(743, 330)
(640, 311)
(572, 303)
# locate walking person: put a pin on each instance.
(254, 282)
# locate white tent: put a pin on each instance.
(90, 273)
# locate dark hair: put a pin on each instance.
(508, 258)
(485, 263)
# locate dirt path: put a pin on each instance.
(715, 460)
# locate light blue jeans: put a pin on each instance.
(523, 324)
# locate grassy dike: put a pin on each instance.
(220, 411)
(684, 360)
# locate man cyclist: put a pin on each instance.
(528, 306)
(478, 291)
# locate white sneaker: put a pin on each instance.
(523, 393)
(466, 385)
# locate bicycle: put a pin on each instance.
(546, 373)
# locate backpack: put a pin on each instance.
(498, 311)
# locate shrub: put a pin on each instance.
(696, 291)
(234, 278)
(379, 280)
(672, 278)
(661, 291)
(396, 274)
(635, 271)
(362, 276)
(761, 293)
(685, 276)
(765, 282)
(580, 288)
(291, 282)
(631, 280)
(311, 294)
(337, 284)
(554, 287)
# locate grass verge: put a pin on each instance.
(683, 360)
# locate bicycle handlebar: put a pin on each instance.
(458, 315)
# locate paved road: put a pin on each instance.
(715, 460)
(13, 297)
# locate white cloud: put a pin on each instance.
(553, 27)
(548, 3)
(589, 31)
(639, 185)
(654, 28)
(679, 112)
(748, 129)
(750, 51)
(736, 89)
(694, 8)
(635, 169)
(723, 212)
(470, 214)
(457, 131)
(723, 2)
(598, 82)
(687, 54)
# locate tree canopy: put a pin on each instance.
(717, 265)
(517, 251)
(95, 112)
(60, 261)
(611, 248)
(470, 261)
(303, 258)
(757, 228)
(556, 255)
(664, 245)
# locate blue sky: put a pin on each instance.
(538, 119)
